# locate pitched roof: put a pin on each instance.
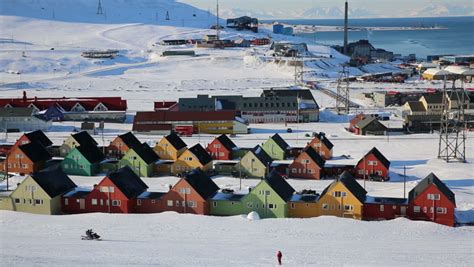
(433, 98)
(53, 181)
(176, 141)
(84, 138)
(279, 185)
(202, 155)
(378, 155)
(367, 121)
(261, 155)
(280, 142)
(350, 183)
(147, 154)
(35, 152)
(39, 137)
(130, 140)
(128, 182)
(322, 136)
(428, 181)
(226, 142)
(16, 112)
(91, 153)
(416, 106)
(204, 185)
(314, 156)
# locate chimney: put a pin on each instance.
(346, 25)
(24, 96)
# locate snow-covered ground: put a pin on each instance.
(30, 29)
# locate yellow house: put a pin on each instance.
(81, 138)
(343, 198)
(193, 158)
(170, 147)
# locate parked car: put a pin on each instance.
(289, 130)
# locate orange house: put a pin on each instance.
(170, 147)
(322, 145)
(122, 144)
(194, 158)
(308, 165)
(28, 158)
(35, 136)
(191, 194)
(304, 205)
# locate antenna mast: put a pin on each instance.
(99, 9)
(217, 24)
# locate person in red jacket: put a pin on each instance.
(279, 255)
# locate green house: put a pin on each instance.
(226, 203)
(141, 160)
(255, 163)
(83, 160)
(269, 198)
(276, 147)
(40, 192)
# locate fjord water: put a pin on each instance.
(458, 38)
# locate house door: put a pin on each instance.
(403, 211)
(82, 204)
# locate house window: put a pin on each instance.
(177, 203)
(192, 204)
(186, 191)
(337, 193)
(417, 209)
(217, 145)
(170, 203)
(139, 202)
(372, 163)
(348, 207)
(188, 159)
(24, 166)
(66, 201)
(94, 202)
(325, 206)
(116, 203)
(379, 173)
(152, 201)
(381, 207)
(101, 202)
(270, 206)
(17, 201)
(310, 171)
(38, 202)
(221, 154)
(433, 196)
(249, 205)
(214, 204)
(30, 188)
(441, 210)
(305, 161)
(293, 170)
(255, 169)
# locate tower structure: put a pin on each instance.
(346, 27)
(167, 15)
(342, 98)
(99, 9)
(452, 134)
(217, 23)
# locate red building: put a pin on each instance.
(149, 202)
(354, 121)
(374, 165)
(26, 159)
(116, 193)
(221, 148)
(322, 145)
(260, 41)
(191, 194)
(166, 105)
(432, 200)
(382, 208)
(121, 144)
(308, 165)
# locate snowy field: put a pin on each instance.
(30, 29)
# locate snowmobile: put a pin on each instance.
(90, 235)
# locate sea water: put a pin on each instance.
(458, 38)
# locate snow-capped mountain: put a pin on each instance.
(434, 9)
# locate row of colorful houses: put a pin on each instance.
(51, 191)
(171, 156)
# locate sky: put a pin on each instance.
(379, 8)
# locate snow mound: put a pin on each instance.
(253, 216)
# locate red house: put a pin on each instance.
(26, 159)
(116, 193)
(383, 208)
(308, 165)
(149, 202)
(432, 200)
(374, 165)
(221, 148)
(322, 145)
(354, 121)
(191, 194)
(36, 136)
(121, 144)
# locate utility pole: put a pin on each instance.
(343, 93)
(404, 181)
(100, 11)
(346, 27)
(217, 24)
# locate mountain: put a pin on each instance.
(441, 10)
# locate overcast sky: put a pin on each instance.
(386, 8)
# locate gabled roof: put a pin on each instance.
(147, 154)
(84, 138)
(35, 152)
(261, 155)
(428, 181)
(367, 121)
(91, 153)
(201, 154)
(279, 185)
(130, 140)
(226, 142)
(416, 106)
(53, 181)
(203, 185)
(350, 183)
(433, 98)
(280, 142)
(39, 137)
(298, 197)
(322, 136)
(16, 112)
(314, 156)
(128, 182)
(378, 155)
(175, 141)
